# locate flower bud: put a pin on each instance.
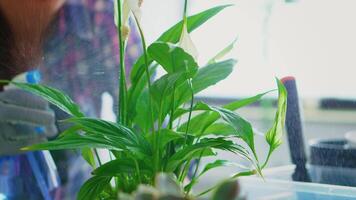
(140, 3)
(125, 31)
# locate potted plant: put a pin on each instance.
(160, 127)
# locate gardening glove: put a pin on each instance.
(24, 120)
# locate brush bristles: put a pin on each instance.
(28, 21)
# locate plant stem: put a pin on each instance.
(148, 76)
(158, 133)
(190, 111)
(267, 159)
(185, 170)
(196, 170)
(171, 118)
(185, 9)
(97, 156)
(137, 170)
(185, 21)
(122, 100)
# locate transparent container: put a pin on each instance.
(30, 176)
(333, 175)
(333, 161)
(277, 185)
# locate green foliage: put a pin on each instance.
(93, 187)
(143, 145)
(53, 96)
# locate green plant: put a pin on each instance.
(141, 142)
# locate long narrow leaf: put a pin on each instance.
(173, 34)
(93, 187)
(124, 166)
(207, 143)
(223, 52)
(54, 96)
(201, 122)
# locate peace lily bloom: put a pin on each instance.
(128, 7)
(186, 42)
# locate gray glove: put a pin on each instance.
(24, 120)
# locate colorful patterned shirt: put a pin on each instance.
(81, 56)
(81, 59)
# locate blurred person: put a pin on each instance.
(24, 118)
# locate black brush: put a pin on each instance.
(295, 131)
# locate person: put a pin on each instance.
(74, 45)
(81, 57)
(22, 28)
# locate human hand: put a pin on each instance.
(24, 120)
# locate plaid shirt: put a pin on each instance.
(81, 57)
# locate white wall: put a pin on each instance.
(313, 40)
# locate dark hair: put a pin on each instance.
(6, 39)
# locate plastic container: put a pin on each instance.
(257, 189)
(333, 162)
(277, 185)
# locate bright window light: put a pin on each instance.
(313, 40)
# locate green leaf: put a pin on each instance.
(163, 87)
(53, 96)
(93, 187)
(161, 91)
(88, 156)
(77, 141)
(173, 58)
(119, 135)
(201, 122)
(143, 116)
(135, 92)
(105, 128)
(138, 69)
(219, 163)
(220, 129)
(210, 166)
(243, 128)
(196, 149)
(274, 135)
(206, 77)
(167, 136)
(172, 35)
(222, 53)
(212, 74)
(98, 134)
(122, 166)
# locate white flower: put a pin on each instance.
(186, 43)
(128, 7)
